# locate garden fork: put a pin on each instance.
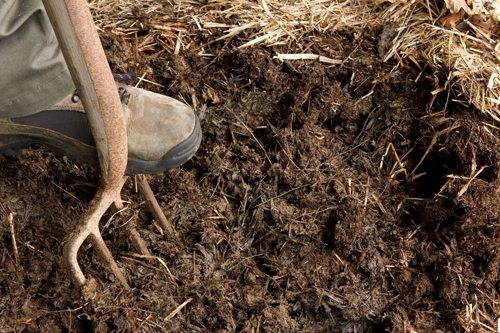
(86, 60)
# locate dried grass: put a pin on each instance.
(268, 22)
(468, 56)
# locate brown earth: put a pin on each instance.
(323, 198)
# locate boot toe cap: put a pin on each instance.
(162, 131)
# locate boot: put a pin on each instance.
(163, 133)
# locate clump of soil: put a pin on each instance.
(323, 198)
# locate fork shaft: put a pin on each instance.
(83, 52)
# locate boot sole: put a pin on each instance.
(14, 138)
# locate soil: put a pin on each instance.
(342, 198)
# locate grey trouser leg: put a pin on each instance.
(33, 74)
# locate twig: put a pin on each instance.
(253, 136)
(10, 220)
(433, 142)
(177, 310)
(151, 258)
(307, 56)
(164, 264)
(469, 182)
